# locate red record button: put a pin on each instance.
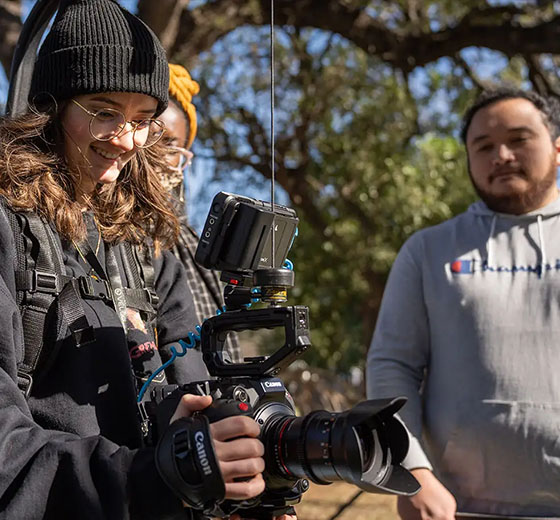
(243, 407)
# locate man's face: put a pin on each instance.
(512, 159)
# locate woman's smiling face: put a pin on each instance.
(101, 161)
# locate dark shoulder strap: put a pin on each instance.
(145, 260)
(19, 241)
(40, 282)
(131, 268)
(139, 269)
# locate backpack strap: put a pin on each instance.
(44, 291)
(43, 288)
(138, 265)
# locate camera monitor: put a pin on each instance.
(237, 234)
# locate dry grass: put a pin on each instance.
(323, 502)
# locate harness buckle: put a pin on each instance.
(25, 382)
(153, 298)
(44, 282)
(94, 289)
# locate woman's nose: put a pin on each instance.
(125, 140)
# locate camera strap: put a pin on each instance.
(186, 462)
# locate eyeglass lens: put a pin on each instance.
(107, 124)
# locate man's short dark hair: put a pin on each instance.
(548, 106)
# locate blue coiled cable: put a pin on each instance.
(188, 343)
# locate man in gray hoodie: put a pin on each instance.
(469, 327)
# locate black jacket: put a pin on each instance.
(74, 449)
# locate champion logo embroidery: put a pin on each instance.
(472, 266)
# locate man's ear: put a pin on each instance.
(557, 146)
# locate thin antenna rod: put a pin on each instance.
(272, 151)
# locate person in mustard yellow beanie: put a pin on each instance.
(180, 131)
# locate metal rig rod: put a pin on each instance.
(272, 150)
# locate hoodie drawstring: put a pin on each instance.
(541, 244)
(489, 241)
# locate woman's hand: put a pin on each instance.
(238, 450)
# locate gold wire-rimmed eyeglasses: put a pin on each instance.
(108, 123)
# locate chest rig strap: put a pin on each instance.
(47, 297)
(139, 268)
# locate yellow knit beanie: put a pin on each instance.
(182, 88)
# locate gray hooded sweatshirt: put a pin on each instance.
(469, 331)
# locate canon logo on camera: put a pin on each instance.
(202, 457)
(272, 385)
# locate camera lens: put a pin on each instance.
(320, 446)
(363, 446)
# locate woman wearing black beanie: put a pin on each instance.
(91, 303)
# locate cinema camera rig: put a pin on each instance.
(245, 239)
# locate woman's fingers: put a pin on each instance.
(241, 468)
(245, 490)
(237, 449)
(245, 448)
(188, 404)
(234, 427)
(239, 454)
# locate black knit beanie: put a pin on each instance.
(97, 46)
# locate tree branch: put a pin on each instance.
(479, 83)
(163, 17)
(494, 27)
(540, 78)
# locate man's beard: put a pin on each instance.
(519, 203)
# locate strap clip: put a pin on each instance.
(25, 382)
(153, 298)
(94, 289)
(44, 282)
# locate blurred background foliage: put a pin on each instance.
(369, 97)
(353, 159)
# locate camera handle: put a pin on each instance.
(222, 408)
(294, 320)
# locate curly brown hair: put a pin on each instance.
(35, 178)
